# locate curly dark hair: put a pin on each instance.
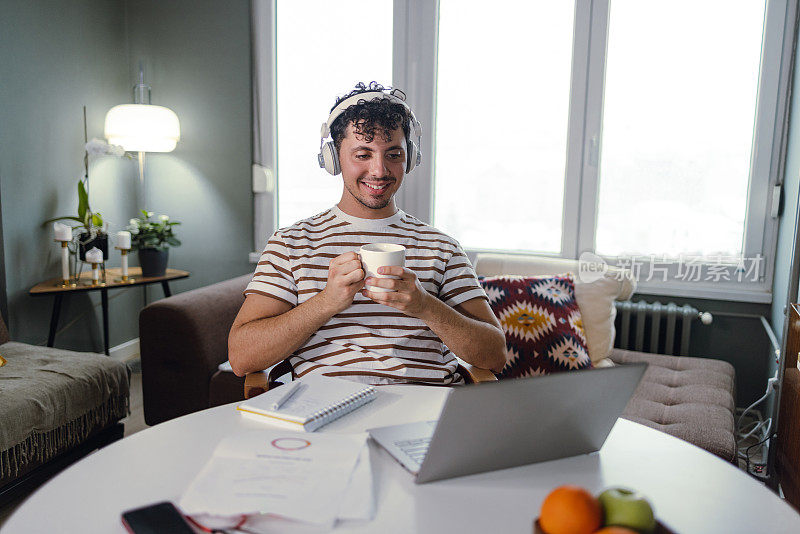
(378, 116)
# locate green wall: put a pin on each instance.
(56, 57)
(787, 230)
(196, 57)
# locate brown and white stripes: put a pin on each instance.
(368, 342)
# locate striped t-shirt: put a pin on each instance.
(367, 342)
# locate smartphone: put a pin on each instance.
(159, 518)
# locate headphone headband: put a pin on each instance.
(328, 158)
(395, 96)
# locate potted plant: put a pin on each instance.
(152, 239)
(93, 232)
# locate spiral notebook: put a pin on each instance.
(317, 401)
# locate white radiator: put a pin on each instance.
(655, 327)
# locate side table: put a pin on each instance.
(113, 281)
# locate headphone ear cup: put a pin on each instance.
(329, 159)
(412, 155)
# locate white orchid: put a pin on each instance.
(163, 218)
(98, 147)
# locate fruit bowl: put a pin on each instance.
(661, 528)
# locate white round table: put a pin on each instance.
(692, 490)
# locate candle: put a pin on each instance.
(64, 262)
(124, 264)
(124, 240)
(62, 231)
(94, 256)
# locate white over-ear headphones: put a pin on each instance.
(329, 158)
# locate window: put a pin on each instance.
(501, 136)
(311, 70)
(678, 124)
(625, 128)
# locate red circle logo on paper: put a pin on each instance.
(290, 444)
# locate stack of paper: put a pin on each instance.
(313, 478)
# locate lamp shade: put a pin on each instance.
(143, 128)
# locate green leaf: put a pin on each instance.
(83, 201)
(97, 219)
(154, 233)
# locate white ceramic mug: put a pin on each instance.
(381, 255)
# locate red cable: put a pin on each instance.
(240, 524)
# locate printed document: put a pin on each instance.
(295, 475)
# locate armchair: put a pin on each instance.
(182, 341)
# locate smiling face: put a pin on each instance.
(372, 173)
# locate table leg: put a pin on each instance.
(165, 285)
(51, 338)
(104, 299)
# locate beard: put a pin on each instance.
(375, 203)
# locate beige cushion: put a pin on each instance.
(595, 295)
(605, 362)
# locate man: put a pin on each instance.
(308, 301)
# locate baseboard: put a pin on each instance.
(125, 351)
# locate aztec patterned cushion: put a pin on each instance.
(542, 323)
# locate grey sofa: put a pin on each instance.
(184, 339)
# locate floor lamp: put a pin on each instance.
(142, 127)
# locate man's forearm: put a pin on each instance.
(472, 340)
(266, 332)
(261, 343)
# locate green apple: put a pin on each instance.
(627, 508)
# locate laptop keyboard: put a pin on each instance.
(416, 448)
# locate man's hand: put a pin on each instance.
(408, 295)
(470, 329)
(345, 279)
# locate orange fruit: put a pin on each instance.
(570, 510)
(616, 530)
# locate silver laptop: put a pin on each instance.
(502, 424)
